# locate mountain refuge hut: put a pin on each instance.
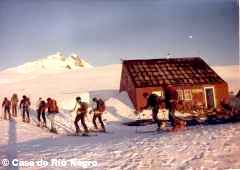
(196, 82)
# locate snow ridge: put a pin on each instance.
(52, 64)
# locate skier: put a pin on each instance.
(81, 111)
(6, 107)
(98, 109)
(14, 103)
(52, 111)
(41, 108)
(153, 102)
(171, 97)
(24, 105)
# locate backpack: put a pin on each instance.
(7, 104)
(83, 108)
(101, 107)
(25, 103)
(153, 100)
(54, 106)
(50, 106)
(42, 104)
(14, 99)
(28, 102)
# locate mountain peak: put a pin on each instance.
(53, 63)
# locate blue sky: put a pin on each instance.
(103, 31)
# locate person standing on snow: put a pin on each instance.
(24, 105)
(14, 103)
(171, 97)
(52, 111)
(6, 107)
(98, 109)
(81, 112)
(153, 102)
(41, 108)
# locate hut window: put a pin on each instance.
(180, 94)
(187, 94)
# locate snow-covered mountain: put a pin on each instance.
(52, 64)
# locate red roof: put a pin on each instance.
(175, 71)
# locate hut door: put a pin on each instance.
(209, 97)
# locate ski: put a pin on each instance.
(99, 131)
(166, 130)
(82, 135)
(46, 129)
(149, 131)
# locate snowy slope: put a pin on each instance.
(66, 86)
(196, 148)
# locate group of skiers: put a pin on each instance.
(10, 109)
(153, 101)
(50, 107)
(81, 110)
(12, 104)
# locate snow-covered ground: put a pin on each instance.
(212, 147)
(206, 147)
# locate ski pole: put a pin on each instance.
(1, 115)
(138, 118)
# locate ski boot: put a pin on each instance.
(44, 125)
(102, 130)
(85, 133)
(28, 120)
(53, 130)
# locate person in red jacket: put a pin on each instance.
(80, 109)
(14, 103)
(171, 98)
(41, 113)
(24, 105)
(98, 109)
(52, 109)
(6, 107)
